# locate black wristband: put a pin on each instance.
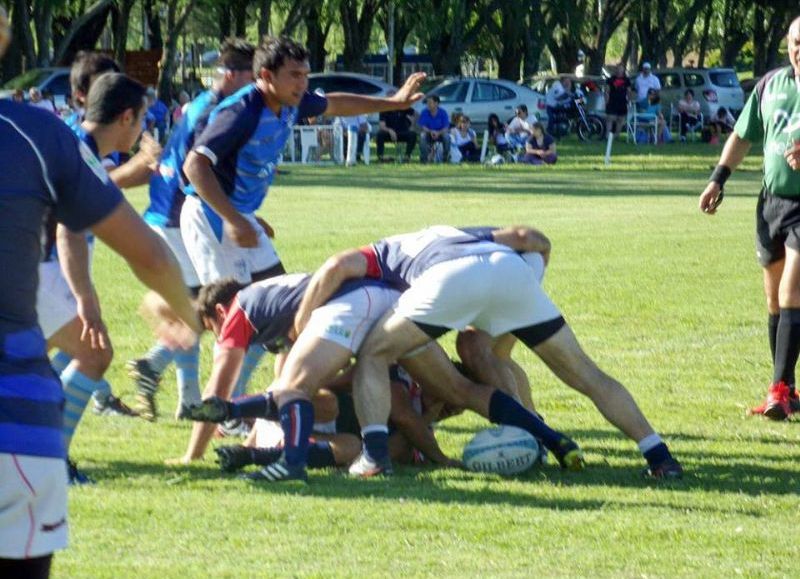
(720, 175)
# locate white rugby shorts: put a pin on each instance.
(347, 319)
(33, 506)
(214, 255)
(496, 292)
(55, 304)
(173, 238)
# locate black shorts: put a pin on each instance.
(777, 227)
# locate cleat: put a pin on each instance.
(147, 381)
(112, 406)
(277, 472)
(75, 477)
(569, 455)
(777, 406)
(670, 469)
(233, 427)
(365, 467)
(213, 409)
(235, 457)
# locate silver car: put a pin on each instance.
(352, 82)
(478, 98)
(713, 88)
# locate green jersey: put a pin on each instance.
(772, 116)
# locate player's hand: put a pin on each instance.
(409, 92)
(792, 155)
(242, 232)
(266, 227)
(151, 149)
(94, 330)
(709, 198)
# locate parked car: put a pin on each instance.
(478, 98)
(713, 88)
(52, 80)
(364, 84)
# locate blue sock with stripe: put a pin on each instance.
(78, 389)
(297, 421)
(187, 370)
(503, 409)
(60, 361)
(251, 360)
(159, 357)
(255, 406)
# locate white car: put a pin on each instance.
(478, 98)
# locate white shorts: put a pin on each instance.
(173, 238)
(214, 255)
(496, 292)
(55, 304)
(347, 319)
(33, 506)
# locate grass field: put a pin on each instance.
(666, 299)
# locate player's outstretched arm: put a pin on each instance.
(326, 280)
(227, 365)
(736, 148)
(342, 104)
(149, 258)
(73, 256)
(524, 240)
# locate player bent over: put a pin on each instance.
(44, 170)
(454, 279)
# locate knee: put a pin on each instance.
(94, 361)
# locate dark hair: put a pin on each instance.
(523, 108)
(722, 112)
(433, 97)
(111, 95)
(688, 92)
(538, 125)
(236, 54)
(275, 51)
(86, 65)
(219, 292)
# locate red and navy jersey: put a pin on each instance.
(243, 139)
(263, 312)
(44, 169)
(400, 259)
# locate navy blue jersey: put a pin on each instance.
(400, 259)
(44, 169)
(244, 139)
(166, 197)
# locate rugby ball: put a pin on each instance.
(503, 450)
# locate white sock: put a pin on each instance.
(649, 442)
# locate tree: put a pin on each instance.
(661, 24)
(357, 29)
(771, 19)
(120, 19)
(176, 21)
(735, 29)
(405, 19)
(84, 32)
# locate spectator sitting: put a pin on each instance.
(159, 112)
(465, 140)
(18, 96)
(644, 83)
(357, 125)
(35, 99)
(396, 126)
(519, 129)
(651, 113)
(497, 133)
(689, 110)
(540, 148)
(435, 126)
(720, 124)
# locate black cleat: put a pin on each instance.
(670, 469)
(213, 409)
(234, 457)
(277, 472)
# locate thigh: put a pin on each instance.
(55, 304)
(312, 362)
(174, 239)
(33, 506)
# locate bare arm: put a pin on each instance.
(73, 256)
(138, 170)
(326, 280)
(524, 240)
(414, 428)
(198, 171)
(734, 152)
(347, 104)
(149, 258)
(227, 365)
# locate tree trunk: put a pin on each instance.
(315, 39)
(630, 53)
(43, 24)
(511, 36)
(532, 40)
(734, 32)
(84, 32)
(703, 48)
(21, 30)
(357, 29)
(175, 25)
(239, 8)
(125, 7)
(264, 17)
(225, 22)
(151, 14)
